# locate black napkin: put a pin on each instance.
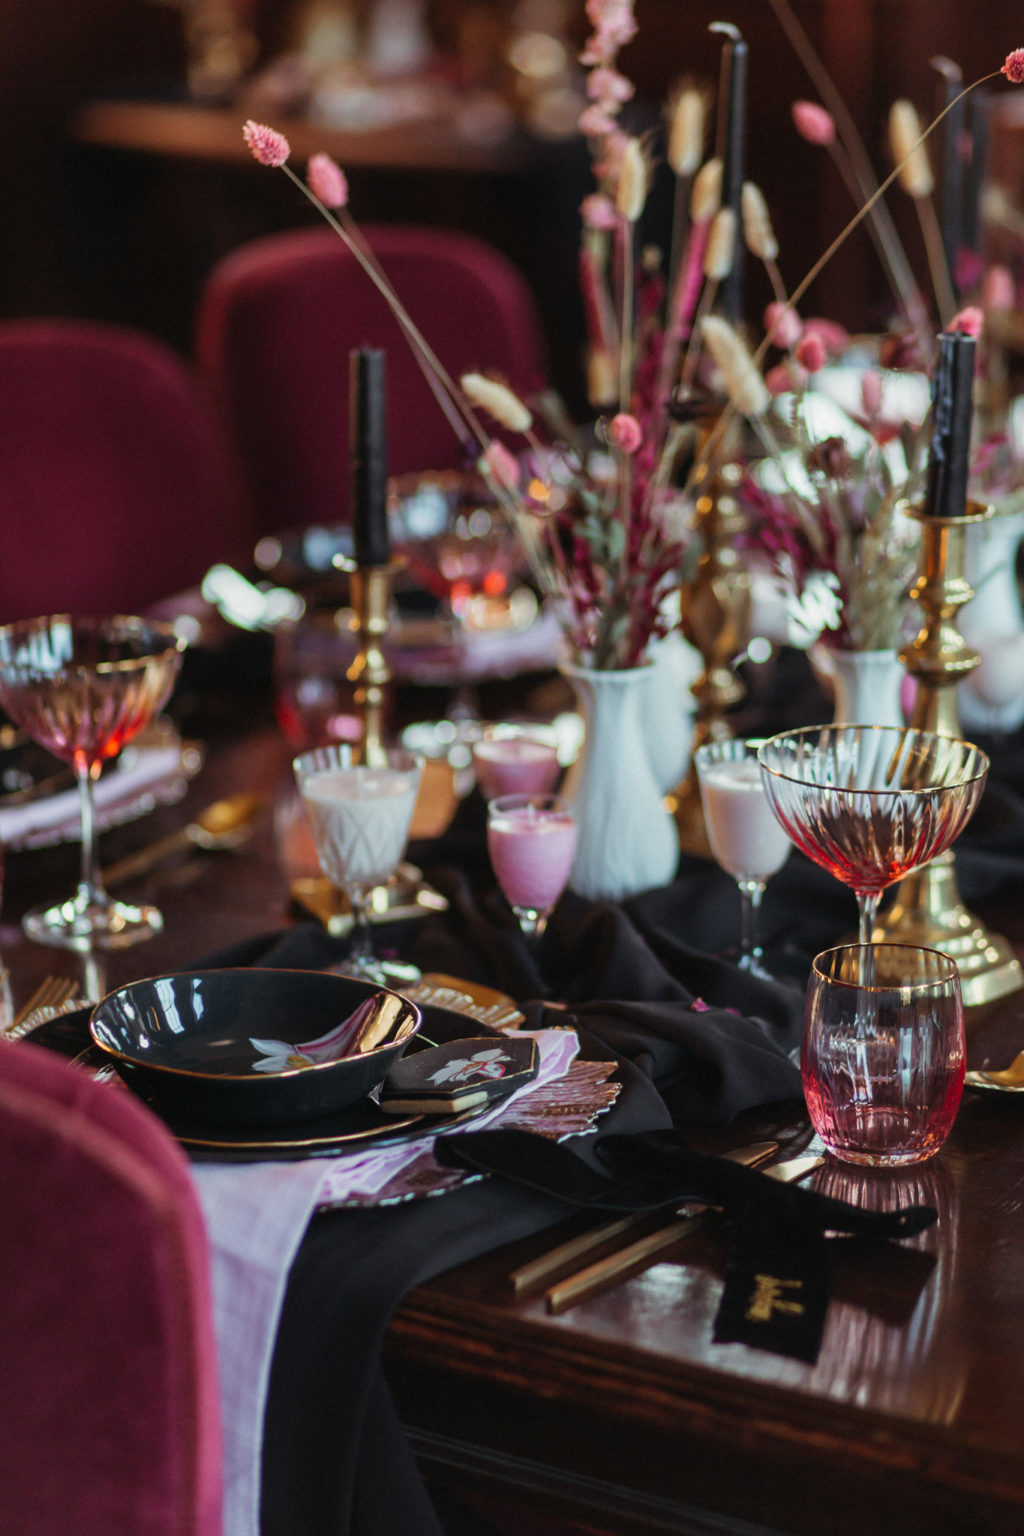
(777, 1276)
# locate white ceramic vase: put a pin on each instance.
(867, 685)
(992, 697)
(626, 841)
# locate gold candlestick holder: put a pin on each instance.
(369, 672)
(715, 619)
(928, 910)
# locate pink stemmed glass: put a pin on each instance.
(871, 803)
(531, 840)
(83, 688)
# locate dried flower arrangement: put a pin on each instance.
(604, 524)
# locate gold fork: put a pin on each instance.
(52, 993)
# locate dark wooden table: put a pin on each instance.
(622, 1413)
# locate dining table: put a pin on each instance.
(409, 1387)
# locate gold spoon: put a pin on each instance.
(225, 824)
(1010, 1078)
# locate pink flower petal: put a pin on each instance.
(267, 145)
(1013, 69)
(327, 181)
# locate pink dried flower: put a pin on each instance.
(783, 325)
(780, 379)
(626, 432)
(968, 269)
(1013, 69)
(598, 212)
(595, 122)
(327, 181)
(810, 352)
(999, 294)
(969, 321)
(267, 145)
(833, 337)
(813, 123)
(871, 393)
(700, 1006)
(609, 87)
(502, 465)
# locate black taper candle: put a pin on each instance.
(952, 409)
(731, 148)
(980, 113)
(952, 164)
(368, 459)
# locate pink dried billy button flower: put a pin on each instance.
(1013, 69)
(813, 123)
(327, 181)
(626, 432)
(267, 145)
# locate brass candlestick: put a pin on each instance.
(928, 910)
(715, 620)
(369, 672)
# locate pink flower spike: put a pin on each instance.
(598, 212)
(625, 432)
(595, 122)
(783, 325)
(871, 393)
(1013, 69)
(267, 145)
(810, 353)
(969, 321)
(327, 181)
(502, 465)
(999, 293)
(813, 123)
(779, 380)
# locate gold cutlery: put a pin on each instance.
(547, 1264)
(1010, 1078)
(574, 1288)
(50, 995)
(225, 824)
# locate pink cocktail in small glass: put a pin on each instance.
(531, 840)
(511, 760)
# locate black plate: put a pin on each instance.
(354, 1129)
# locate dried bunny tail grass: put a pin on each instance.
(634, 178)
(706, 198)
(497, 400)
(721, 247)
(686, 131)
(757, 224)
(908, 152)
(744, 385)
(602, 378)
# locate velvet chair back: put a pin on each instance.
(108, 1395)
(280, 316)
(116, 486)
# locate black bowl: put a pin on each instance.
(253, 1047)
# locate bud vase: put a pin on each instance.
(867, 685)
(625, 838)
(992, 698)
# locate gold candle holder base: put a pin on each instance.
(927, 910)
(369, 673)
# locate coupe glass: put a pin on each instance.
(883, 1052)
(871, 803)
(82, 688)
(360, 817)
(745, 836)
(531, 840)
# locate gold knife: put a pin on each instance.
(566, 1293)
(529, 1275)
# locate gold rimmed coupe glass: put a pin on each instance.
(871, 803)
(83, 688)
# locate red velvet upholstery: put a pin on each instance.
(115, 486)
(280, 316)
(108, 1396)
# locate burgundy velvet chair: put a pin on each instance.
(116, 486)
(108, 1394)
(279, 317)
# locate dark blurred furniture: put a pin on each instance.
(117, 489)
(109, 1389)
(279, 317)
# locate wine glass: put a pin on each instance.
(531, 840)
(360, 817)
(745, 836)
(83, 688)
(882, 1060)
(871, 803)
